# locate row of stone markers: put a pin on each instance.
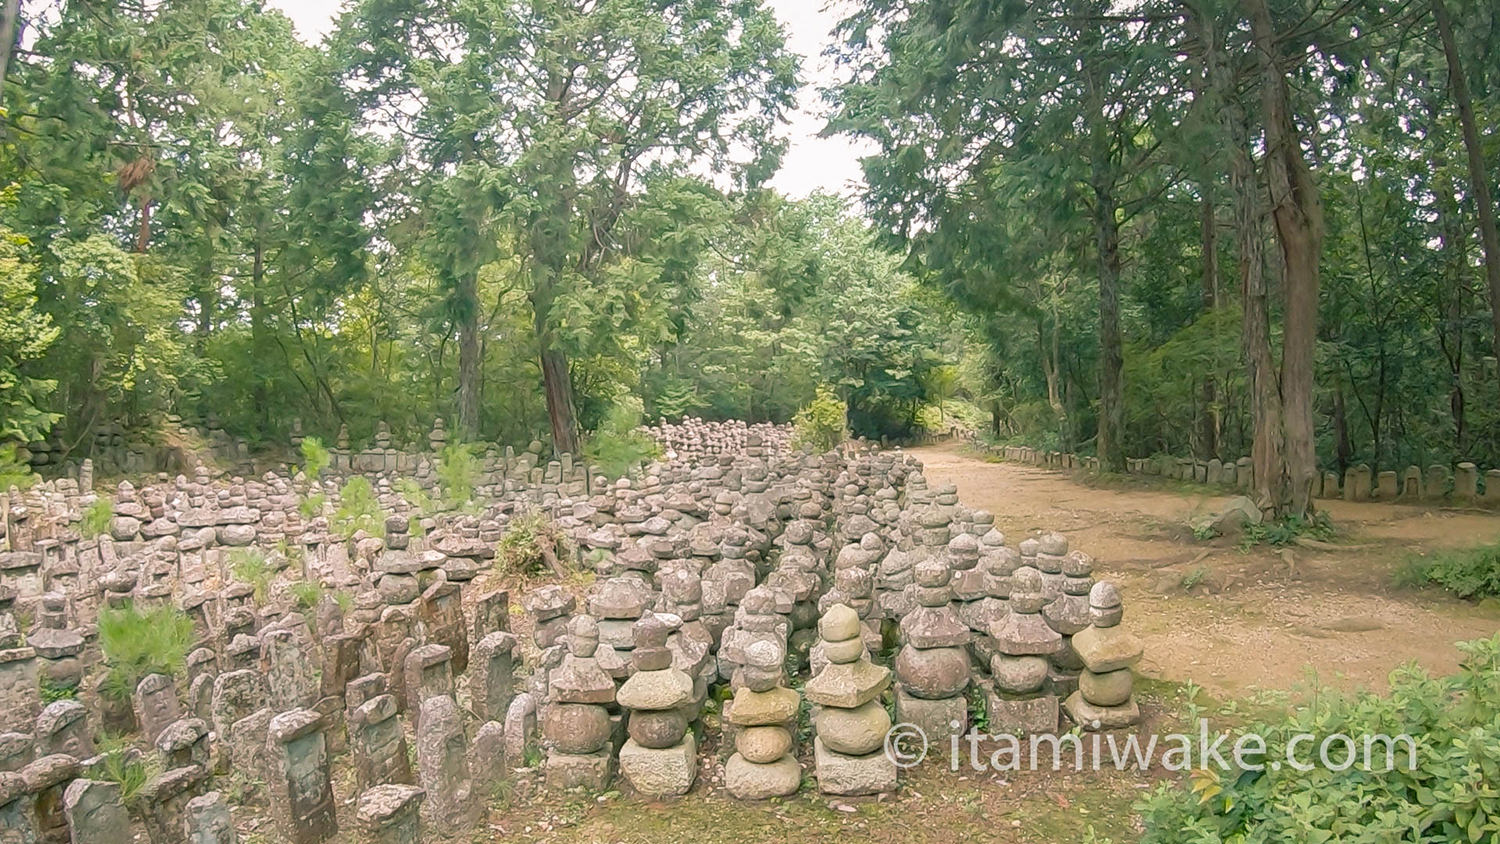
(723, 575)
(1463, 483)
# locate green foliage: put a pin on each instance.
(126, 766)
(1287, 530)
(137, 643)
(458, 471)
(358, 510)
(12, 471)
(51, 692)
(25, 336)
(96, 518)
(529, 540)
(1448, 796)
(249, 565)
(618, 445)
(820, 425)
(312, 505)
(1467, 573)
(306, 593)
(315, 458)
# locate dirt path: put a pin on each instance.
(1234, 621)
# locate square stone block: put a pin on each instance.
(1038, 714)
(852, 776)
(591, 771)
(938, 719)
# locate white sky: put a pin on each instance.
(811, 162)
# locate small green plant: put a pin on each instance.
(458, 473)
(96, 518)
(979, 709)
(619, 445)
(1467, 572)
(312, 505)
(14, 473)
(124, 765)
(306, 593)
(1193, 578)
(52, 692)
(531, 545)
(344, 600)
(1286, 531)
(358, 510)
(821, 425)
(315, 458)
(140, 642)
(415, 496)
(249, 565)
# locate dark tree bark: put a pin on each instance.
(1111, 343)
(1479, 180)
(1298, 214)
(466, 318)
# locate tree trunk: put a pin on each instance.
(8, 35)
(1298, 215)
(1489, 236)
(466, 315)
(1208, 420)
(557, 382)
(259, 334)
(1111, 344)
(1266, 452)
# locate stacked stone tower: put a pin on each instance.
(1108, 651)
(850, 723)
(763, 718)
(661, 756)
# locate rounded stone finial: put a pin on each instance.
(839, 624)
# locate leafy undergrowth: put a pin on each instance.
(1467, 573)
(533, 545)
(1439, 786)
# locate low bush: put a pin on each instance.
(249, 565)
(1448, 795)
(138, 642)
(618, 444)
(821, 425)
(358, 510)
(315, 458)
(458, 472)
(1467, 573)
(531, 546)
(96, 518)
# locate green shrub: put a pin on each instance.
(821, 424)
(52, 692)
(315, 458)
(249, 565)
(1286, 531)
(14, 473)
(312, 505)
(529, 537)
(137, 643)
(306, 593)
(1449, 795)
(618, 444)
(122, 764)
(1467, 573)
(358, 510)
(415, 496)
(458, 473)
(96, 518)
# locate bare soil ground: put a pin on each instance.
(1235, 620)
